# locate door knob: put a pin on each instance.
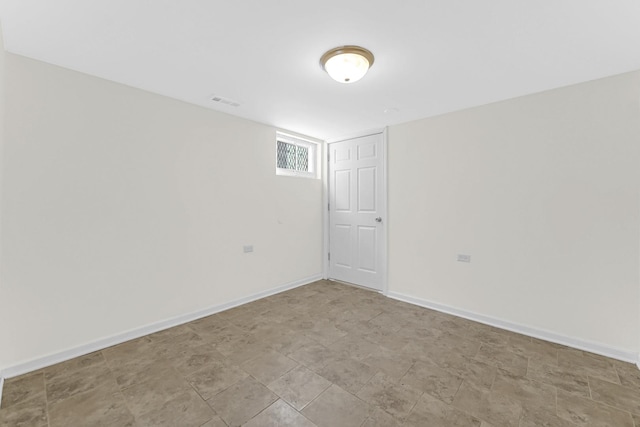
(379, 219)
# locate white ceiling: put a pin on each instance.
(431, 57)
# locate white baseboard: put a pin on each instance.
(592, 347)
(52, 359)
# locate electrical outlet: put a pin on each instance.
(464, 258)
(247, 248)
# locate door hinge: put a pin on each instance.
(329, 255)
(328, 206)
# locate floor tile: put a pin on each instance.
(218, 332)
(325, 332)
(243, 347)
(131, 358)
(186, 409)
(465, 367)
(493, 407)
(527, 392)
(22, 389)
(628, 373)
(393, 397)
(248, 322)
(391, 340)
(566, 380)
(192, 359)
(299, 386)
(434, 380)
(625, 398)
(172, 345)
(242, 401)
(290, 341)
(380, 418)
(336, 407)
(452, 324)
(349, 374)
(132, 374)
(269, 366)
(433, 412)
(416, 349)
(86, 361)
(585, 412)
(94, 407)
(452, 343)
(32, 413)
(313, 355)
(151, 395)
(503, 359)
(134, 352)
(354, 346)
(216, 421)
(215, 377)
(208, 325)
(477, 373)
(390, 362)
(588, 364)
(419, 332)
(543, 417)
(279, 414)
(71, 382)
(389, 320)
(542, 351)
(497, 337)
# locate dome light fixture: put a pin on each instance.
(347, 64)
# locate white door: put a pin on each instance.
(356, 211)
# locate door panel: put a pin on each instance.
(367, 248)
(356, 201)
(342, 236)
(342, 154)
(366, 189)
(342, 197)
(366, 151)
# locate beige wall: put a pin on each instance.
(124, 208)
(543, 192)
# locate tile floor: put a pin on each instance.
(328, 354)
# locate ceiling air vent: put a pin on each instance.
(226, 101)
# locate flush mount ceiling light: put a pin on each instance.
(347, 64)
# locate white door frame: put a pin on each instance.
(385, 212)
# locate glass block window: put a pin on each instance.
(295, 156)
(291, 156)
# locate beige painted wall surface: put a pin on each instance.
(123, 208)
(543, 193)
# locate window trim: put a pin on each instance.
(312, 148)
